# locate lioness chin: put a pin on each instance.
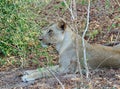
(61, 35)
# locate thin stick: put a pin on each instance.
(118, 2)
(56, 78)
(23, 61)
(70, 9)
(83, 41)
(73, 12)
(77, 44)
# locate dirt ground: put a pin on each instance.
(106, 20)
(99, 79)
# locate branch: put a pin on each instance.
(83, 41)
(70, 9)
(118, 2)
(56, 78)
(73, 12)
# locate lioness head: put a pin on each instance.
(53, 34)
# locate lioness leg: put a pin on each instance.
(31, 75)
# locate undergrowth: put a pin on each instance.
(18, 30)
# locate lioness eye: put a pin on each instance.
(50, 31)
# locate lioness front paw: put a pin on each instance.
(31, 75)
(27, 78)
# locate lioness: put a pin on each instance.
(61, 35)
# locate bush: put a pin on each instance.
(18, 29)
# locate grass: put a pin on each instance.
(18, 30)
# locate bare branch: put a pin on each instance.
(83, 41)
(73, 11)
(70, 9)
(118, 2)
(56, 78)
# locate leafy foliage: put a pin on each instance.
(18, 30)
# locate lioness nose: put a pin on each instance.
(40, 38)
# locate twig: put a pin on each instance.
(10, 45)
(70, 9)
(83, 41)
(73, 12)
(74, 18)
(118, 2)
(56, 78)
(102, 62)
(77, 36)
(75, 9)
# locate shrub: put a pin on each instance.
(18, 29)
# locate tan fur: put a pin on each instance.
(61, 35)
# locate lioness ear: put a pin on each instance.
(62, 24)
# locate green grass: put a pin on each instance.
(18, 30)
